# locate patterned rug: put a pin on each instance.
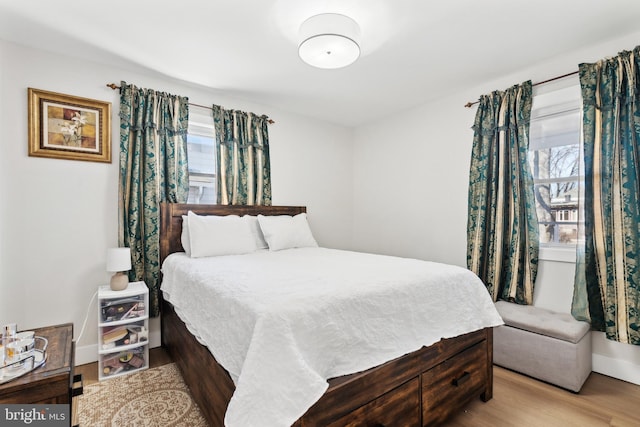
(155, 397)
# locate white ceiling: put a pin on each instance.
(412, 50)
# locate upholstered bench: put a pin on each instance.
(553, 347)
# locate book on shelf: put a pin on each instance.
(118, 336)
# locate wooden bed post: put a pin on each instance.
(488, 390)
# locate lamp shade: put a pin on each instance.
(329, 40)
(118, 259)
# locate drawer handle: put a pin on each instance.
(463, 378)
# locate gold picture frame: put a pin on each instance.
(69, 127)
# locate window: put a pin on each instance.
(555, 159)
(567, 215)
(201, 154)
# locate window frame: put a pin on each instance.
(563, 97)
(202, 126)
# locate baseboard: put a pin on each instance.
(89, 353)
(616, 368)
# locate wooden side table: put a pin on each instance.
(52, 383)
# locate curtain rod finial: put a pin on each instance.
(113, 86)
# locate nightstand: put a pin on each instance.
(123, 330)
(53, 382)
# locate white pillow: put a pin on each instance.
(285, 231)
(184, 237)
(212, 235)
(258, 237)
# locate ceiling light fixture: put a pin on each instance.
(329, 40)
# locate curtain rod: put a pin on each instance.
(469, 104)
(115, 86)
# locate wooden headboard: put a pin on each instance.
(171, 219)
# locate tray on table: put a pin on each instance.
(30, 362)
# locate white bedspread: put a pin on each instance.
(284, 322)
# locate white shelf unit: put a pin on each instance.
(123, 330)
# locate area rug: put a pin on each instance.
(156, 397)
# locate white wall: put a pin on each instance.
(58, 217)
(408, 198)
(315, 169)
(4, 302)
(410, 190)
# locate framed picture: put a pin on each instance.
(69, 127)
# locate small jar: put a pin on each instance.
(8, 336)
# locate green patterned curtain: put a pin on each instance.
(609, 277)
(244, 172)
(153, 169)
(502, 228)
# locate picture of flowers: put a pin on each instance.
(69, 127)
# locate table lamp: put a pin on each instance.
(119, 261)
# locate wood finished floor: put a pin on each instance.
(525, 402)
(519, 401)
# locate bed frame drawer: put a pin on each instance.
(458, 380)
(399, 407)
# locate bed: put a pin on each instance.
(422, 387)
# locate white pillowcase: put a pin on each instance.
(253, 225)
(258, 237)
(212, 235)
(285, 231)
